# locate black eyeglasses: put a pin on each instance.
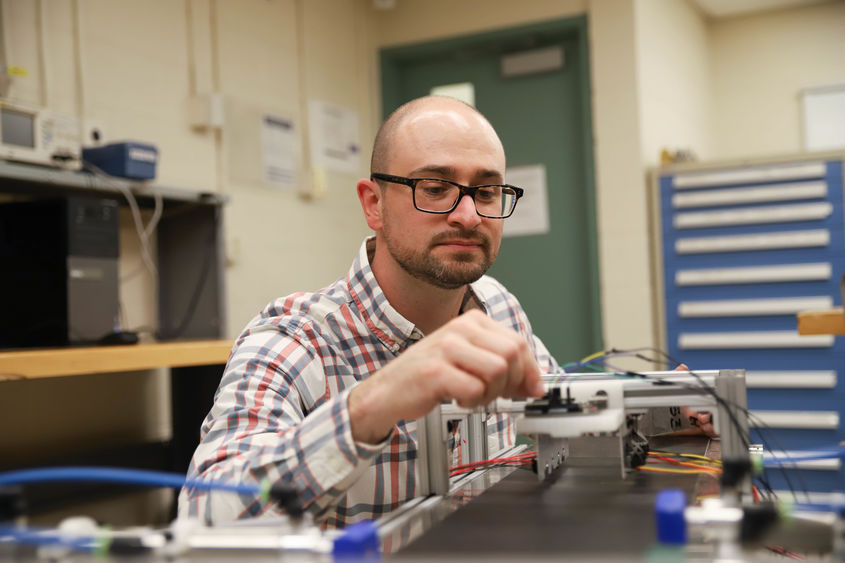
(436, 195)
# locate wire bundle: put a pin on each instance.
(525, 459)
(701, 465)
(599, 362)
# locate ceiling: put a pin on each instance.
(730, 8)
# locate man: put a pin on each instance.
(322, 389)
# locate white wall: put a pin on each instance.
(138, 65)
(620, 199)
(673, 78)
(760, 65)
(278, 242)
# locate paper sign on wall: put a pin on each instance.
(824, 118)
(334, 137)
(531, 216)
(278, 151)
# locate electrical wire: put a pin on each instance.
(685, 463)
(46, 536)
(193, 302)
(678, 471)
(144, 231)
(760, 425)
(526, 456)
(705, 459)
(127, 476)
(664, 357)
(727, 406)
(519, 460)
(782, 551)
(791, 459)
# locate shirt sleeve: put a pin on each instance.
(545, 360)
(275, 419)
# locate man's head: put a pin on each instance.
(433, 137)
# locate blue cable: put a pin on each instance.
(46, 537)
(824, 453)
(118, 475)
(820, 507)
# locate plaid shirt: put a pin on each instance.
(280, 413)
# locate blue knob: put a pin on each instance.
(359, 542)
(669, 510)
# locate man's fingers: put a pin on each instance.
(457, 384)
(472, 359)
(509, 347)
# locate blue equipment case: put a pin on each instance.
(128, 159)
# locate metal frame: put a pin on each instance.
(649, 391)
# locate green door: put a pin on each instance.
(543, 117)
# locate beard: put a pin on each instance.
(458, 270)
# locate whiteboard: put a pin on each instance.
(823, 111)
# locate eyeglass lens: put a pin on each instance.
(492, 201)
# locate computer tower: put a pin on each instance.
(58, 271)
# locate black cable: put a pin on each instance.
(759, 424)
(195, 296)
(763, 429)
(726, 404)
(719, 400)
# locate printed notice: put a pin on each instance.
(278, 151)
(531, 216)
(334, 138)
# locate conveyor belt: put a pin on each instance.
(584, 509)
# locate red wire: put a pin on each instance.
(518, 457)
(518, 460)
(685, 464)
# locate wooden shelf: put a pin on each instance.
(57, 362)
(830, 321)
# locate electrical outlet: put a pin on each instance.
(93, 133)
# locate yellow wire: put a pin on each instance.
(701, 467)
(592, 356)
(679, 471)
(694, 456)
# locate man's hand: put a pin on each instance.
(472, 359)
(702, 421)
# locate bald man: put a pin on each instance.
(322, 389)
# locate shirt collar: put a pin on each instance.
(394, 330)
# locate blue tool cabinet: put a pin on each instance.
(742, 249)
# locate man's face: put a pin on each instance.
(453, 249)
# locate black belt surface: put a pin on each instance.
(584, 508)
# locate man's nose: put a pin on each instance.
(464, 213)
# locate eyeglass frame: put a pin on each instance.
(464, 191)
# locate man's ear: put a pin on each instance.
(371, 195)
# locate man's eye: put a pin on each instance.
(434, 189)
(487, 194)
